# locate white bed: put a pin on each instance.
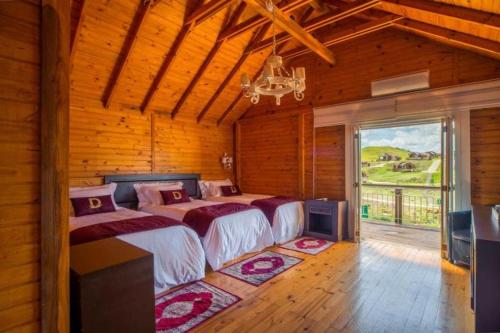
(178, 254)
(228, 237)
(288, 221)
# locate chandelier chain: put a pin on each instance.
(271, 4)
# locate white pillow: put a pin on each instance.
(149, 193)
(93, 191)
(214, 186)
(205, 191)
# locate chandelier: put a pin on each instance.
(275, 80)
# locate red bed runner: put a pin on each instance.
(200, 218)
(269, 205)
(121, 227)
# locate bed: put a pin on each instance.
(177, 251)
(227, 238)
(287, 221)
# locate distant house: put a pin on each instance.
(433, 154)
(414, 156)
(421, 156)
(389, 157)
(365, 164)
(405, 166)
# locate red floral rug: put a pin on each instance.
(308, 245)
(188, 307)
(261, 267)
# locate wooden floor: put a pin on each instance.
(373, 287)
(429, 238)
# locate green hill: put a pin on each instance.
(370, 154)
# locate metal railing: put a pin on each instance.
(411, 205)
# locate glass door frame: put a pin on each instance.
(448, 164)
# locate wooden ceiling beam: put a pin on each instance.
(307, 13)
(470, 19)
(348, 34)
(233, 71)
(125, 52)
(294, 29)
(206, 11)
(208, 59)
(258, 20)
(351, 9)
(319, 6)
(165, 65)
(451, 37)
(76, 32)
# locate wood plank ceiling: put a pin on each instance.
(185, 58)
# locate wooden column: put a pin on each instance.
(301, 155)
(237, 153)
(54, 105)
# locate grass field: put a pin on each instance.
(381, 172)
(371, 154)
(420, 207)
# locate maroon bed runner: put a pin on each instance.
(120, 227)
(269, 205)
(200, 218)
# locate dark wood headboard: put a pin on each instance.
(125, 195)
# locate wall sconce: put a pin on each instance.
(227, 161)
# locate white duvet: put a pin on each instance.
(228, 237)
(178, 254)
(288, 222)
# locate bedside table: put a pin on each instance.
(111, 288)
(326, 219)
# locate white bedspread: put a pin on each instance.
(228, 237)
(288, 222)
(177, 251)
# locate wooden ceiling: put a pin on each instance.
(186, 57)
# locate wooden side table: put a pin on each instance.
(326, 219)
(111, 288)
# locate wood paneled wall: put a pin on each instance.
(383, 54)
(274, 153)
(19, 166)
(122, 140)
(329, 162)
(485, 156)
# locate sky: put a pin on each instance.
(418, 138)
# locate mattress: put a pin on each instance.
(288, 222)
(177, 251)
(228, 237)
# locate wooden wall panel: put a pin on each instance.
(104, 142)
(485, 156)
(19, 166)
(182, 145)
(270, 148)
(382, 54)
(121, 140)
(329, 162)
(275, 153)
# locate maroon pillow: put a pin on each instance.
(175, 196)
(229, 191)
(92, 205)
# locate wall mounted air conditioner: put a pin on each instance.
(400, 84)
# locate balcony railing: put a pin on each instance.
(410, 205)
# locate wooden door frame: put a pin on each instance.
(54, 145)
